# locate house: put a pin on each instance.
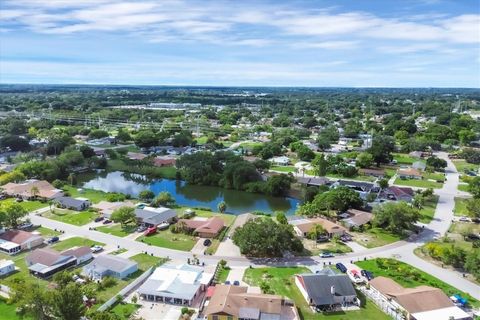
(419, 165)
(357, 218)
(45, 262)
(109, 265)
(152, 217)
(77, 204)
(235, 302)
(14, 241)
(416, 154)
(136, 156)
(419, 303)
(355, 185)
(303, 226)
(377, 173)
(7, 167)
(314, 182)
(204, 228)
(409, 173)
(83, 254)
(6, 267)
(164, 161)
(398, 193)
(41, 189)
(280, 161)
(179, 285)
(324, 291)
(106, 208)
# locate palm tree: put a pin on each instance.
(34, 192)
(222, 207)
(71, 178)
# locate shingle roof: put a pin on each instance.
(212, 225)
(319, 287)
(329, 226)
(46, 256)
(18, 236)
(110, 262)
(77, 252)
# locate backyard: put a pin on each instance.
(284, 168)
(463, 165)
(78, 218)
(94, 196)
(281, 282)
(409, 276)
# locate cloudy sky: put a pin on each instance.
(389, 43)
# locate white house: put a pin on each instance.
(6, 267)
(280, 161)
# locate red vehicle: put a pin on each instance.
(150, 231)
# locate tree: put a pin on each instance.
(124, 215)
(146, 195)
(15, 143)
(381, 149)
(473, 207)
(320, 165)
(34, 300)
(396, 217)
(222, 207)
(383, 183)
(68, 302)
(281, 218)
(265, 238)
(12, 213)
(474, 187)
(316, 231)
(97, 134)
(87, 152)
(146, 139)
(436, 163)
(279, 185)
(472, 263)
(34, 192)
(364, 160)
(418, 201)
(339, 199)
(123, 135)
(164, 198)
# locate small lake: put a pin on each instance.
(238, 202)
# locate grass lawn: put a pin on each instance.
(222, 275)
(21, 274)
(418, 183)
(168, 239)
(284, 168)
(201, 140)
(437, 176)
(460, 207)
(375, 237)
(463, 165)
(146, 261)
(117, 230)
(164, 172)
(27, 205)
(125, 310)
(94, 196)
(228, 218)
(71, 217)
(250, 145)
(356, 178)
(7, 311)
(75, 242)
(118, 251)
(402, 273)
(46, 232)
(464, 187)
(403, 158)
(281, 282)
(428, 210)
(312, 248)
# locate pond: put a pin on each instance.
(238, 202)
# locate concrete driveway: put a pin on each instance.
(228, 249)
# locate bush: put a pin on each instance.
(114, 197)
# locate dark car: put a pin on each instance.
(207, 242)
(472, 237)
(322, 238)
(341, 267)
(367, 274)
(227, 282)
(236, 283)
(98, 219)
(346, 238)
(53, 239)
(107, 221)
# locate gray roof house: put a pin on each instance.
(77, 204)
(154, 216)
(45, 262)
(324, 291)
(175, 284)
(109, 265)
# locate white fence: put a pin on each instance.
(125, 291)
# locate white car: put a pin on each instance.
(464, 219)
(355, 276)
(97, 248)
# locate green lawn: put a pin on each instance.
(117, 230)
(46, 232)
(222, 275)
(21, 274)
(460, 207)
(250, 145)
(202, 140)
(118, 251)
(403, 158)
(228, 218)
(284, 168)
(168, 239)
(125, 310)
(464, 187)
(428, 210)
(8, 312)
(437, 176)
(94, 196)
(146, 261)
(159, 172)
(281, 282)
(409, 276)
(463, 165)
(356, 178)
(71, 217)
(418, 183)
(27, 205)
(75, 242)
(376, 237)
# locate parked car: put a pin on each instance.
(322, 238)
(476, 220)
(150, 231)
(98, 219)
(346, 238)
(355, 276)
(163, 226)
(340, 266)
(18, 200)
(227, 282)
(141, 228)
(472, 236)
(25, 226)
(236, 283)
(326, 254)
(207, 242)
(107, 221)
(97, 248)
(464, 219)
(53, 240)
(367, 274)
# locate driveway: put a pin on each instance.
(199, 248)
(228, 249)
(236, 274)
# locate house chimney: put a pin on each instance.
(332, 290)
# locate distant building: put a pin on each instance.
(164, 161)
(377, 173)
(77, 204)
(409, 173)
(14, 241)
(419, 165)
(280, 161)
(32, 189)
(136, 156)
(357, 218)
(45, 262)
(106, 208)
(6, 267)
(398, 193)
(109, 265)
(209, 228)
(179, 285)
(303, 226)
(355, 185)
(315, 182)
(152, 217)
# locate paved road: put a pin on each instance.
(402, 250)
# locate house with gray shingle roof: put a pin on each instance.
(109, 265)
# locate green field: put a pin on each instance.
(409, 276)
(460, 207)
(117, 230)
(26, 204)
(159, 172)
(284, 168)
(125, 310)
(8, 311)
(168, 239)
(418, 183)
(46, 232)
(403, 158)
(74, 242)
(94, 196)
(71, 217)
(463, 165)
(222, 274)
(428, 210)
(281, 282)
(376, 237)
(146, 261)
(464, 187)
(434, 176)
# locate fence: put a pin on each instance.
(385, 307)
(125, 291)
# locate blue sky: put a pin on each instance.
(388, 43)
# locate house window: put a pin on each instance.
(229, 318)
(214, 317)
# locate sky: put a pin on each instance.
(318, 43)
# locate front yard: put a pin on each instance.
(375, 237)
(78, 218)
(312, 248)
(117, 230)
(409, 276)
(418, 183)
(168, 239)
(460, 207)
(281, 281)
(26, 204)
(284, 168)
(428, 210)
(75, 242)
